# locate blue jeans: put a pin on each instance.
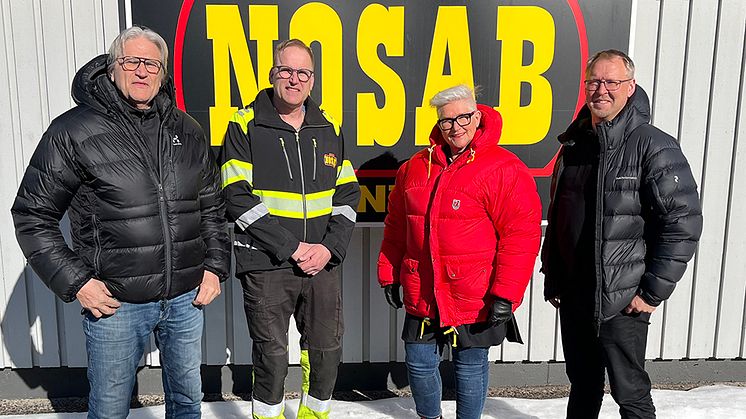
(116, 344)
(472, 379)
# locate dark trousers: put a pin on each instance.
(619, 349)
(270, 298)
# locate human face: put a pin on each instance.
(291, 93)
(603, 104)
(138, 86)
(459, 137)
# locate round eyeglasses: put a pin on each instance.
(285, 72)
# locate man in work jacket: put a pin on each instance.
(624, 220)
(292, 196)
(137, 179)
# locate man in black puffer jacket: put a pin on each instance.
(143, 194)
(624, 220)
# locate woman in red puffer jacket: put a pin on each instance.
(460, 239)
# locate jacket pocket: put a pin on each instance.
(409, 278)
(469, 281)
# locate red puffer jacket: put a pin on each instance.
(457, 235)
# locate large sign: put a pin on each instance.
(379, 63)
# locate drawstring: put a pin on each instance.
(471, 156)
(429, 161)
(425, 321)
(453, 330)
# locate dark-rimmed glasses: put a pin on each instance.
(132, 63)
(462, 120)
(285, 72)
(611, 85)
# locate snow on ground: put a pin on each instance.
(712, 402)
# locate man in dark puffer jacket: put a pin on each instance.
(143, 194)
(624, 220)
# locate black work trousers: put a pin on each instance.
(270, 298)
(618, 348)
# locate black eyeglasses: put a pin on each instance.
(611, 85)
(132, 63)
(285, 72)
(462, 120)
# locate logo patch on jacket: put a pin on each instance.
(175, 141)
(456, 204)
(330, 159)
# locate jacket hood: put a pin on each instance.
(488, 132)
(635, 113)
(92, 87)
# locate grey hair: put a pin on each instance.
(452, 94)
(116, 50)
(610, 54)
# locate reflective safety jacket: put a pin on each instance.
(284, 186)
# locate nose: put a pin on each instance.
(141, 72)
(600, 86)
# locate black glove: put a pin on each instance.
(501, 311)
(391, 291)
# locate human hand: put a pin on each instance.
(96, 298)
(209, 289)
(500, 311)
(391, 291)
(300, 251)
(638, 305)
(315, 259)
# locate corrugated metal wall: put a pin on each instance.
(690, 57)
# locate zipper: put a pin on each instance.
(314, 158)
(97, 241)
(164, 213)
(287, 160)
(599, 225)
(302, 187)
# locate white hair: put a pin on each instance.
(452, 94)
(116, 50)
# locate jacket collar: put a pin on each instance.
(266, 114)
(92, 87)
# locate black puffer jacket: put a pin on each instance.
(648, 216)
(147, 232)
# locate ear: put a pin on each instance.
(632, 86)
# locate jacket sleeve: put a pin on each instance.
(394, 241)
(673, 220)
(344, 210)
(212, 212)
(48, 186)
(242, 206)
(515, 209)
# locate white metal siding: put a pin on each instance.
(690, 58)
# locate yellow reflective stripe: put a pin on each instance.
(331, 121)
(290, 205)
(243, 117)
(346, 173)
(305, 366)
(234, 171)
(312, 408)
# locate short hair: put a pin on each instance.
(452, 94)
(608, 55)
(282, 46)
(116, 50)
